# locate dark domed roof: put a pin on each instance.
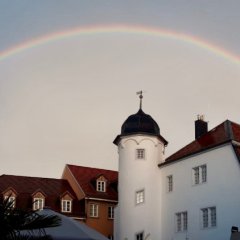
(140, 123)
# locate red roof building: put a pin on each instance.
(96, 189)
(86, 194)
(37, 193)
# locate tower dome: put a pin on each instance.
(140, 123)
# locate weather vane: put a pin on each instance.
(140, 93)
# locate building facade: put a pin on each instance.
(96, 190)
(86, 194)
(193, 194)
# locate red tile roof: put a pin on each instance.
(25, 187)
(225, 132)
(86, 178)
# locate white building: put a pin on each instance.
(193, 194)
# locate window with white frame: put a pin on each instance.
(139, 236)
(209, 217)
(181, 221)
(11, 200)
(93, 210)
(66, 205)
(140, 153)
(38, 203)
(101, 186)
(200, 174)
(139, 196)
(111, 212)
(169, 183)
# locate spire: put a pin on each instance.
(140, 97)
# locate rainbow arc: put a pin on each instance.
(129, 29)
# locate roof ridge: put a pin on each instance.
(20, 176)
(101, 169)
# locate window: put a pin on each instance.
(140, 153)
(139, 236)
(209, 217)
(200, 174)
(110, 212)
(11, 200)
(139, 196)
(101, 186)
(181, 221)
(66, 206)
(93, 210)
(38, 203)
(169, 183)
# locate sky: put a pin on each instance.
(70, 70)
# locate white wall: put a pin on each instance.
(222, 190)
(136, 174)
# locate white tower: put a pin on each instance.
(141, 149)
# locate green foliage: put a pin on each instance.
(19, 224)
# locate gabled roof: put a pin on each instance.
(25, 187)
(87, 176)
(22, 184)
(225, 132)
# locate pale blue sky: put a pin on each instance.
(64, 102)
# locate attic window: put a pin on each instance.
(11, 199)
(66, 205)
(101, 185)
(38, 203)
(38, 200)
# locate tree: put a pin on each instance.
(21, 224)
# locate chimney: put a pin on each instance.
(201, 127)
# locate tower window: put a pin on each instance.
(139, 196)
(140, 153)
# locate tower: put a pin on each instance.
(141, 149)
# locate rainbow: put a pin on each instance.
(137, 30)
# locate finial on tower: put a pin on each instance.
(140, 93)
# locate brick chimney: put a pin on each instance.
(201, 127)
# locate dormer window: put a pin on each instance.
(38, 200)
(38, 203)
(10, 196)
(12, 200)
(101, 184)
(66, 203)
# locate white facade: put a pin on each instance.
(194, 198)
(221, 190)
(137, 181)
